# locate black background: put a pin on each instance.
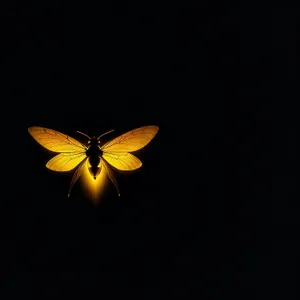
(214, 210)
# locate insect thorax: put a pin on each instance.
(93, 153)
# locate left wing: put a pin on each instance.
(65, 161)
(55, 141)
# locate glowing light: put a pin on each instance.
(93, 187)
(73, 155)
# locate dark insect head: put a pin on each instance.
(93, 141)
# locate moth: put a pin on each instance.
(73, 154)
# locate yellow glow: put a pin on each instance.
(73, 154)
(93, 187)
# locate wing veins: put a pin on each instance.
(57, 139)
(58, 162)
(128, 140)
(62, 139)
(63, 163)
(122, 161)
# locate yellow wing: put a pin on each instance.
(122, 161)
(132, 140)
(65, 161)
(55, 141)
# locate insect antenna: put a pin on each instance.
(104, 134)
(83, 134)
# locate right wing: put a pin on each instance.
(132, 140)
(122, 161)
(55, 141)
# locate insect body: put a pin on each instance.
(73, 154)
(94, 153)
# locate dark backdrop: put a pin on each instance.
(215, 207)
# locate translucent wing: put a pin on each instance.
(110, 174)
(77, 174)
(132, 140)
(65, 161)
(55, 141)
(122, 161)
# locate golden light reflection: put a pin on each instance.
(93, 187)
